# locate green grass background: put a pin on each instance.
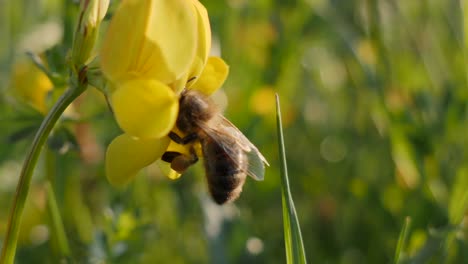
(374, 101)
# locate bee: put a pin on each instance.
(228, 156)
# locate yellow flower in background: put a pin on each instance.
(151, 50)
(31, 85)
(262, 101)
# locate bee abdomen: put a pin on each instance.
(225, 188)
(225, 175)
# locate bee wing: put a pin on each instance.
(256, 161)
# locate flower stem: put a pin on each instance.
(11, 237)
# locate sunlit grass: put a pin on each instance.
(294, 246)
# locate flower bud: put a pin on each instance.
(92, 12)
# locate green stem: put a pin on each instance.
(11, 237)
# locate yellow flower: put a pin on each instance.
(155, 42)
(150, 51)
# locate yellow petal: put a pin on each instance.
(213, 76)
(150, 39)
(204, 31)
(180, 84)
(127, 155)
(203, 49)
(204, 41)
(145, 108)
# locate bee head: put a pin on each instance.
(194, 108)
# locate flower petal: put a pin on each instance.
(204, 40)
(127, 155)
(204, 31)
(203, 49)
(213, 76)
(173, 27)
(180, 84)
(150, 39)
(145, 108)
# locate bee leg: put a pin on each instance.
(169, 156)
(183, 141)
(181, 162)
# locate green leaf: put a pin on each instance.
(295, 252)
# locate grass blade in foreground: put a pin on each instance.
(402, 240)
(292, 232)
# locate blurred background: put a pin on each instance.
(374, 101)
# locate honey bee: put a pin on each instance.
(228, 155)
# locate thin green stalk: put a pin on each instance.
(11, 237)
(402, 240)
(56, 222)
(295, 252)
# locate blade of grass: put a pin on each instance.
(295, 252)
(402, 240)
